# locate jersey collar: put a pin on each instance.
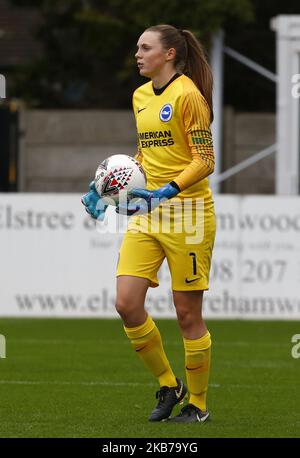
(161, 89)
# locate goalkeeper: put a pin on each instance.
(173, 113)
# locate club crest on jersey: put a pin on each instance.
(166, 112)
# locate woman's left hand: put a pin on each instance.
(148, 200)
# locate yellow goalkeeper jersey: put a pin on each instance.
(174, 137)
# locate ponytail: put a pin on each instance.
(198, 68)
(190, 58)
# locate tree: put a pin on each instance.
(89, 46)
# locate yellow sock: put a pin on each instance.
(146, 340)
(197, 362)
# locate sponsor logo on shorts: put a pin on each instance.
(190, 281)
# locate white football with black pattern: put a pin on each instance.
(117, 175)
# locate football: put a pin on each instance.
(117, 175)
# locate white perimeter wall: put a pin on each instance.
(55, 263)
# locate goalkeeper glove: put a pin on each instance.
(93, 203)
(148, 200)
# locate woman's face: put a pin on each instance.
(151, 57)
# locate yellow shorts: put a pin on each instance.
(187, 247)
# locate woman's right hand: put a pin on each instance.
(93, 203)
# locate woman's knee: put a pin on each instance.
(119, 306)
(188, 308)
(131, 292)
(123, 306)
(129, 307)
(132, 312)
(185, 317)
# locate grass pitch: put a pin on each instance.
(81, 378)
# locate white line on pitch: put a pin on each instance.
(92, 383)
(111, 342)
